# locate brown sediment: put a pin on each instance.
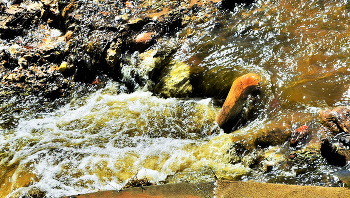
(230, 189)
(233, 105)
(181, 190)
(224, 188)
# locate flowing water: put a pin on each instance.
(102, 137)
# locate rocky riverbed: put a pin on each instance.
(48, 46)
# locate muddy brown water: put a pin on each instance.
(103, 138)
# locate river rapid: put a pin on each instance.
(104, 135)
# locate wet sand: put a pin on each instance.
(254, 189)
(222, 188)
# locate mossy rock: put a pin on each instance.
(176, 81)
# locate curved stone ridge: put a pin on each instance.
(233, 106)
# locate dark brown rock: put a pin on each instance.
(337, 119)
(333, 154)
(15, 19)
(273, 138)
(232, 3)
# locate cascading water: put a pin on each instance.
(102, 137)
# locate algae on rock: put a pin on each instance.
(175, 82)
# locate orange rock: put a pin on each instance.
(96, 81)
(144, 40)
(298, 135)
(144, 37)
(129, 4)
(233, 106)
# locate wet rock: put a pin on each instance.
(306, 160)
(2, 7)
(333, 153)
(253, 159)
(15, 77)
(176, 81)
(22, 62)
(337, 119)
(138, 183)
(35, 7)
(242, 88)
(63, 67)
(93, 39)
(269, 133)
(148, 67)
(113, 57)
(272, 157)
(67, 9)
(7, 60)
(345, 140)
(14, 22)
(229, 4)
(298, 135)
(144, 40)
(88, 54)
(273, 138)
(51, 13)
(66, 68)
(138, 23)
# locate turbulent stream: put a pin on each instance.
(102, 137)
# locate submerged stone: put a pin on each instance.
(272, 157)
(276, 136)
(240, 91)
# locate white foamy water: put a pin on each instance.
(102, 141)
